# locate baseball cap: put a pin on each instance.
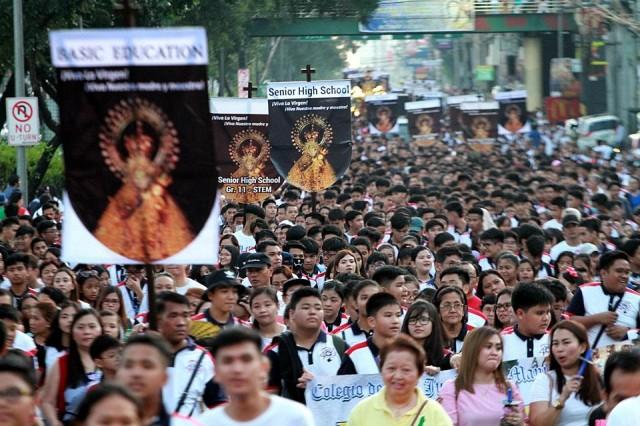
(257, 260)
(221, 278)
(587, 248)
(416, 224)
(570, 220)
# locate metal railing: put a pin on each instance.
(493, 7)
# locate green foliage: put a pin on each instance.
(55, 173)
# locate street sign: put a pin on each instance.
(23, 121)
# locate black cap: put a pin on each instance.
(257, 260)
(221, 278)
(293, 282)
(570, 219)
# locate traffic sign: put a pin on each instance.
(23, 121)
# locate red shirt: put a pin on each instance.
(474, 302)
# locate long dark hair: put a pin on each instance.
(235, 256)
(55, 336)
(122, 314)
(481, 277)
(76, 375)
(434, 343)
(267, 291)
(507, 290)
(589, 391)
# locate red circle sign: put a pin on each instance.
(22, 111)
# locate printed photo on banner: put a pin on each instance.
(383, 112)
(139, 161)
(481, 123)
(243, 151)
(310, 131)
(424, 121)
(456, 118)
(513, 117)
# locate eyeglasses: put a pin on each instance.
(87, 274)
(13, 394)
(451, 306)
(503, 306)
(419, 320)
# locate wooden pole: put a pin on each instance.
(128, 10)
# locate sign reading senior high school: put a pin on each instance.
(310, 131)
(243, 150)
(139, 161)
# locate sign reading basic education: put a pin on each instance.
(23, 121)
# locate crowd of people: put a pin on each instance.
(417, 261)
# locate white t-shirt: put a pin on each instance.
(247, 242)
(561, 247)
(189, 283)
(281, 412)
(626, 413)
(574, 413)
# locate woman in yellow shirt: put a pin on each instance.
(400, 402)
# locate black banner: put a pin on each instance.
(310, 131)
(513, 116)
(243, 151)
(383, 112)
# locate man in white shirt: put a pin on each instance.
(191, 367)
(608, 310)
(181, 280)
(571, 235)
(241, 369)
(626, 413)
(245, 235)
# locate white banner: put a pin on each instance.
(331, 398)
(128, 47)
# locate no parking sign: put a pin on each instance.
(23, 121)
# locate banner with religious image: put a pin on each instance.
(480, 124)
(456, 118)
(139, 159)
(243, 151)
(424, 121)
(310, 131)
(383, 112)
(513, 117)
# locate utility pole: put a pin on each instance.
(560, 40)
(18, 51)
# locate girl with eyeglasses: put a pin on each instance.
(504, 313)
(422, 324)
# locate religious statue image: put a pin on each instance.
(249, 150)
(140, 146)
(312, 135)
(481, 128)
(513, 121)
(424, 124)
(385, 122)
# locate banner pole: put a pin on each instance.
(128, 10)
